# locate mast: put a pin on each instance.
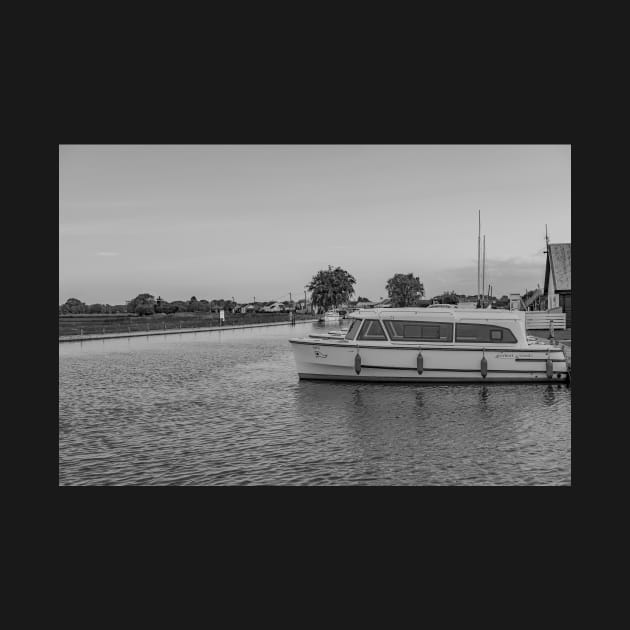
(483, 273)
(546, 238)
(478, 257)
(549, 298)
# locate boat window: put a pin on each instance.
(353, 329)
(419, 331)
(372, 331)
(483, 333)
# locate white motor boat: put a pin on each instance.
(332, 316)
(419, 344)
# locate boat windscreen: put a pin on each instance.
(354, 327)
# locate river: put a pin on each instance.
(227, 408)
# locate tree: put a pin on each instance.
(448, 297)
(178, 306)
(330, 288)
(143, 304)
(217, 305)
(164, 307)
(95, 308)
(74, 306)
(404, 290)
(363, 299)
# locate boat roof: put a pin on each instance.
(444, 314)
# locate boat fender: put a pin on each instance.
(420, 363)
(357, 363)
(484, 366)
(549, 363)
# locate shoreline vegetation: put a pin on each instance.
(330, 289)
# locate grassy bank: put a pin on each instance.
(104, 324)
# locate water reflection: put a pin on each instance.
(549, 396)
(419, 400)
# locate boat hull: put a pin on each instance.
(327, 360)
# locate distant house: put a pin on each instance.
(365, 304)
(558, 278)
(275, 307)
(516, 302)
(246, 308)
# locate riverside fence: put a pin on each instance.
(540, 320)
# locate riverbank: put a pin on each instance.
(173, 331)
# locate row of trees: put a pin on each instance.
(330, 288)
(147, 304)
(73, 306)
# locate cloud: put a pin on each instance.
(108, 254)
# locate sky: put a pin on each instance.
(245, 221)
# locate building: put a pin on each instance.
(515, 301)
(558, 279)
(275, 307)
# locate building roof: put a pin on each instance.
(559, 257)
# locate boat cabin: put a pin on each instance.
(446, 325)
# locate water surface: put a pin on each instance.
(227, 408)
